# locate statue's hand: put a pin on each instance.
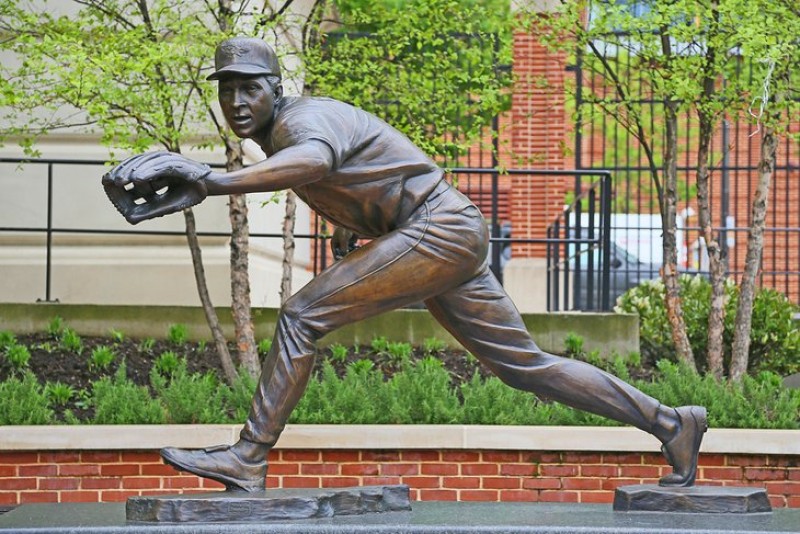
(154, 184)
(343, 242)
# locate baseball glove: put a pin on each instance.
(154, 184)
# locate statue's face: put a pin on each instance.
(248, 104)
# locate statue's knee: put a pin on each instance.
(292, 308)
(294, 320)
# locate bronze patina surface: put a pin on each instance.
(267, 505)
(427, 242)
(693, 499)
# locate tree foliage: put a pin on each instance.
(429, 69)
(113, 67)
(711, 58)
(132, 71)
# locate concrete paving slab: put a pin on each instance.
(425, 518)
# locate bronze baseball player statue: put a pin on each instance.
(428, 243)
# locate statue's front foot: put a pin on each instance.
(683, 449)
(223, 464)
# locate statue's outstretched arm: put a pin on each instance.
(159, 183)
(297, 165)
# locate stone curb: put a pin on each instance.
(377, 437)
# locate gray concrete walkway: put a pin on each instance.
(426, 518)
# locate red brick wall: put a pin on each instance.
(104, 476)
(538, 140)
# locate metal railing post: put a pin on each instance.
(556, 261)
(495, 232)
(591, 271)
(605, 215)
(576, 268)
(48, 270)
(549, 256)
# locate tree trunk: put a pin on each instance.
(670, 244)
(755, 244)
(669, 210)
(202, 290)
(716, 257)
(240, 275)
(288, 245)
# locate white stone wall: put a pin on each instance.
(121, 269)
(117, 269)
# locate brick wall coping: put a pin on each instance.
(366, 437)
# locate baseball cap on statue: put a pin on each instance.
(249, 56)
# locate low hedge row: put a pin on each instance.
(420, 392)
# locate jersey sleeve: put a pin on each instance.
(310, 122)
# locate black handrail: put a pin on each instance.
(50, 230)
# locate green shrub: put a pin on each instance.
(178, 334)
(167, 363)
(146, 345)
(774, 334)
(471, 361)
(573, 345)
(491, 402)
(69, 340)
(353, 399)
(422, 394)
(775, 338)
(185, 396)
(70, 418)
(380, 345)
(24, 402)
(432, 345)
(234, 401)
(614, 363)
(7, 339)
(338, 352)
(118, 401)
(400, 353)
(101, 357)
(55, 326)
(116, 335)
(18, 356)
(757, 402)
(59, 393)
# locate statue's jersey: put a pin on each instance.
(378, 177)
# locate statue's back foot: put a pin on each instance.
(683, 449)
(221, 464)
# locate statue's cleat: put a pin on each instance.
(682, 450)
(221, 464)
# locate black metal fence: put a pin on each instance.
(48, 227)
(579, 255)
(602, 142)
(483, 185)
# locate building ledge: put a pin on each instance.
(381, 437)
